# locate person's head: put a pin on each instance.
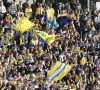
(95, 8)
(9, 87)
(73, 2)
(43, 1)
(50, 5)
(23, 72)
(20, 2)
(35, 37)
(68, 6)
(40, 5)
(18, 74)
(98, 14)
(27, 0)
(60, 5)
(40, 48)
(92, 44)
(11, 54)
(30, 57)
(87, 9)
(1, 3)
(20, 57)
(78, 6)
(34, 1)
(97, 82)
(98, 55)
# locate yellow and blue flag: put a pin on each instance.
(58, 71)
(23, 25)
(53, 24)
(49, 39)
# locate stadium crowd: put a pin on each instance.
(25, 59)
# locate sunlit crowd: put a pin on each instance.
(25, 58)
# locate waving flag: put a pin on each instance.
(58, 71)
(23, 25)
(63, 20)
(53, 24)
(50, 39)
(47, 38)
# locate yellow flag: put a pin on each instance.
(23, 25)
(47, 38)
(50, 39)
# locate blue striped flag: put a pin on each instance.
(58, 71)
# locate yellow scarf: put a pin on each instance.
(21, 41)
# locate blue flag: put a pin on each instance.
(63, 20)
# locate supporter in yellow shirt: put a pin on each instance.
(5, 41)
(12, 59)
(50, 12)
(20, 59)
(1, 31)
(31, 76)
(40, 9)
(91, 60)
(28, 9)
(40, 51)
